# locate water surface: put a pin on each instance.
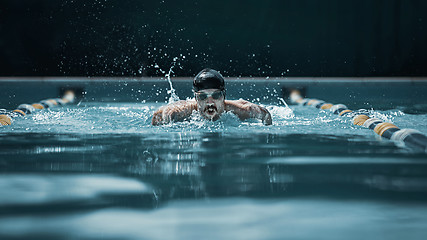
(101, 171)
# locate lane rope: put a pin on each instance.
(363, 118)
(7, 117)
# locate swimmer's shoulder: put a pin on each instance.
(174, 112)
(232, 104)
(187, 104)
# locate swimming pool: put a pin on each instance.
(99, 170)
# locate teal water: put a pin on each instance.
(101, 171)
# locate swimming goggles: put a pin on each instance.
(215, 95)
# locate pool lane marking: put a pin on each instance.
(410, 137)
(7, 117)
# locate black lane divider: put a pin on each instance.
(7, 117)
(410, 137)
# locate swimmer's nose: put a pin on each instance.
(210, 99)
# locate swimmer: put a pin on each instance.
(209, 101)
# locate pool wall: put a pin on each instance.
(377, 93)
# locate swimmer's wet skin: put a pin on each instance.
(209, 101)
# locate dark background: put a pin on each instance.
(358, 38)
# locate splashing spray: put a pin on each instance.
(173, 96)
(283, 101)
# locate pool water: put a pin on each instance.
(101, 171)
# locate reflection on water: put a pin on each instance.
(213, 164)
(39, 189)
(233, 218)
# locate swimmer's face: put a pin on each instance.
(210, 103)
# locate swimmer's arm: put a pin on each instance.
(174, 112)
(244, 110)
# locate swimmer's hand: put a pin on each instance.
(174, 112)
(244, 110)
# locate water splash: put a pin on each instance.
(387, 116)
(280, 112)
(173, 96)
(283, 101)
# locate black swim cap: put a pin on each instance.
(208, 78)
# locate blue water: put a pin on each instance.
(101, 171)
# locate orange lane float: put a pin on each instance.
(7, 117)
(361, 117)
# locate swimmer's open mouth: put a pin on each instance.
(211, 110)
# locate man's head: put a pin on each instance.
(209, 92)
